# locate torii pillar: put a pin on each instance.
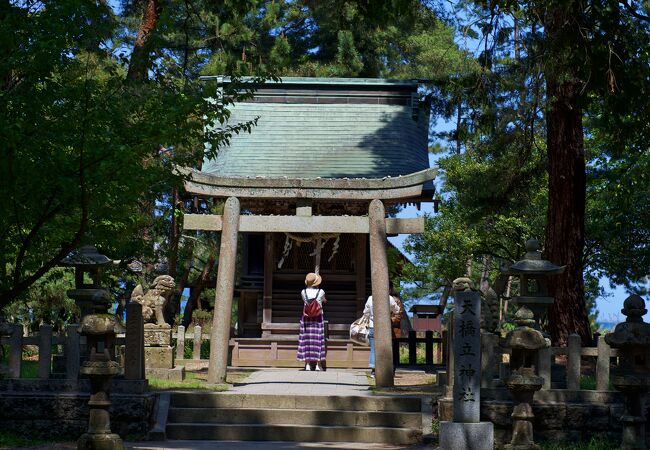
(380, 296)
(220, 334)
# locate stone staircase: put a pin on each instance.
(304, 418)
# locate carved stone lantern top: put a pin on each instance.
(86, 259)
(533, 272)
(89, 296)
(533, 264)
(634, 332)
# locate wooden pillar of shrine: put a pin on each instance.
(220, 334)
(380, 295)
(267, 294)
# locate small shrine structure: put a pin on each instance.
(307, 190)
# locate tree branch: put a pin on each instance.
(633, 11)
(32, 233)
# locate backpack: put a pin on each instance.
(313, 308)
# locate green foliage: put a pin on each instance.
(189, 344)
(347, 56)
(46, 302)
(587, 382)
(87, 156)
(494, 179)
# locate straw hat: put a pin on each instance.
(313, 279)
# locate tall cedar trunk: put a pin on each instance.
(139, 64)
(565, 218)
(565, 231)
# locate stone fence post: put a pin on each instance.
(134, 345)
(44, 351)
(196, 350)
(602, 365)
(15, 351)
(573, 363)
(180, 343)
(72, 352)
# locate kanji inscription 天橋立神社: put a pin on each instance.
(467, 346)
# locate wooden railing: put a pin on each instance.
(434, 349)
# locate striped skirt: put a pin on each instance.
(311, 342)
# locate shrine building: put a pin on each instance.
(308, 189)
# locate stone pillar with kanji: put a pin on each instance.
(466, 431)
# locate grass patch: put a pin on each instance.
(593, 444)
(420, 353)
(10, 439)
(28, 368)
(435, 426)
(588, 382)
(198, 380)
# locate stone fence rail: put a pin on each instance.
(73, 345)
(197, 337)
(495, 370)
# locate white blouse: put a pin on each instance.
(309, 293)
(394, 308)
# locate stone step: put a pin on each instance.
(300, 402)
(295, 417)
(296, 433)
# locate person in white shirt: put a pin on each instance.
(367, 310)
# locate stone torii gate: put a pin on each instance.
(375, 192)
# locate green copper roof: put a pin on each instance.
(328, 128)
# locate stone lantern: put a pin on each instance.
(533, 273)
(100, 368)
(98, 326)
(632, 377)
(88, 296)
(525, 342)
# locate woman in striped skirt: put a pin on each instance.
(311, 342)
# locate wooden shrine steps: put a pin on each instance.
(303, 418)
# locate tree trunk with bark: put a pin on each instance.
(565, 229)
(194, 302)
(139, 64)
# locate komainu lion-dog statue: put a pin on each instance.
(154, 300)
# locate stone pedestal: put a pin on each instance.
(159, 354)
(466, 436)
(99, 436)
(633, 419)
(523, 388)
(159, 357)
